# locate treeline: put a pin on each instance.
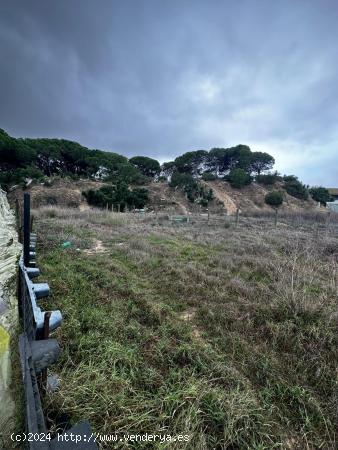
(23, 159)
(38, 158)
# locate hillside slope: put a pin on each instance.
(226, 198)
(68, 193)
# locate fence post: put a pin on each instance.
(118, 207)
(276, 217)
(26, 228)
(237, 217)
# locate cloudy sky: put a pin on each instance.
(161, 77)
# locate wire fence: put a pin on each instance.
(38, 350)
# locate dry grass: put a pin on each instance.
(226, 334)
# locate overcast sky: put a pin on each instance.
(161, 77)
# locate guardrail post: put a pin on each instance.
(45, 335)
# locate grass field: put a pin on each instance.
(228, 335)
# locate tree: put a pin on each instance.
(168, 168)
(239, 178)
(147, 166)
(217, 161)
(117, 194)
(274, 199)
(260, 162)
(295, 188)
(222, 160)
(241, 157)
(191, 162)
(320, 194)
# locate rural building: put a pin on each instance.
(334, 193)
(333, 206)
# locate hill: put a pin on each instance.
(63, 172)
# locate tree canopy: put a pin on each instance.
(320, 194)
(239, 178)
(114, 194)
(149, 167)
(274, 199)
(295, 188)
(22, 158)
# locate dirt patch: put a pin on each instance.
(64, 193)
(188, 316)
(223, 197)
(98, 247)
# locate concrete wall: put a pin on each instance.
(9, 253)
(333, 206)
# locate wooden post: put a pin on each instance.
(237, 217)
(276, 217)
(208, 215)
(118, 207)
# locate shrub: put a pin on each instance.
(268, 179)
(320, 194)
(295, 188)
(239, 178)
(274, 199)
(117, 194)
(209, 176)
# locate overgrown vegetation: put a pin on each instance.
(227, 335)
(274, 199)
(267, 179)
(25, 159)
(118, 194)
(320, 194)
(194, 191)
(34, 158)
(295, 188)
(239, 178)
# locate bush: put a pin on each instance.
(117, 194)
(274, 199)
(149, 167)
(295, 188)
(320, 194)
(268, 179)
(209, 176)
(239, 178)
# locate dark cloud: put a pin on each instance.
(163, 77)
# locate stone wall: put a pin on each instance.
(9, 253)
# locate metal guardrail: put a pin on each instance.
(38, 351)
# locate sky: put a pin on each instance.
(162, 77)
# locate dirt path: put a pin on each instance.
(223, 197)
